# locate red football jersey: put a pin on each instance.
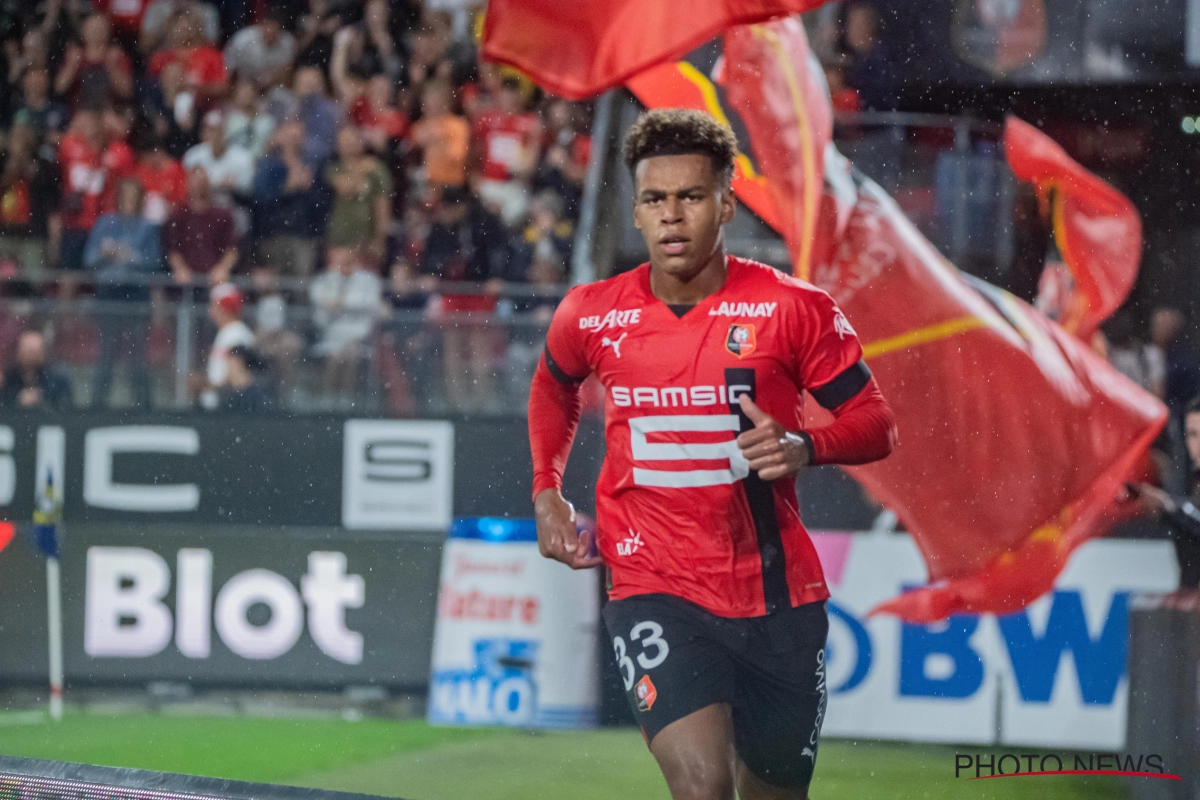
(503, 137)
(678, 510)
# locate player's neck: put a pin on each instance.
(675, 290)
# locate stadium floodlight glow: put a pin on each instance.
(1188, 124)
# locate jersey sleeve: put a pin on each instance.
(828, 355)
(566, 357)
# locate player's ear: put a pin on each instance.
(728, 203)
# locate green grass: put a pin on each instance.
(411, 759)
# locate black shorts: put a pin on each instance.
(676, 658)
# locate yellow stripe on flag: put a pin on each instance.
(931, 333)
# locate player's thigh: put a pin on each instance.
(670, 662)
(696, 754)
(781, 696)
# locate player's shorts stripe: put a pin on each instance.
(843, 387)
(761, 499)
(557, 371)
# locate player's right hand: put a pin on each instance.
(558, 537)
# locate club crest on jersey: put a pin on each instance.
(646, 693)
(613, 319)
(744, 310)
(741, 340)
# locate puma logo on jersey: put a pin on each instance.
(842, 325)
(613, 319)
(744, 310)
(615, 344)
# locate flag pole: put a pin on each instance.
(47, 517)
(54, 627)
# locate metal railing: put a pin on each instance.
(421, 355)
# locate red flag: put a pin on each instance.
(1097, 229)
(770, 70)
(579, 48)
(7, 531)
(1014, 436)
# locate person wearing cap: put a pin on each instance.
(199, 237)
(225, 311)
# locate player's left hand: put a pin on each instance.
(769, 448)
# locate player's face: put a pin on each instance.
(680, 207)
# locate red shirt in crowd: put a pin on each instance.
(503, 137)
(166, 188)
(90, 178)
(202, 66)
(392, 122)
(124, 14)
(678, 509)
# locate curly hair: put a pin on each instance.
(681, 131)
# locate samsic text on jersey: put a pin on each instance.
(678, 509)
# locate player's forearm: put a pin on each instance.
(863, 430)
(554, 410)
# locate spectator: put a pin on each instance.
(45, 117)
(122, 250)
(346, 301)
(316, 29)
(507, 140)
(199, 237)
(160, 16)
(375, 114)
(82, 158)
(271, 334)
(1183, 364)
(442, 137)
(230, 169)
(96, 73)
(203, 65)
(247, 125)
(843, 99)
(548, 237)
(289, 208)
(262, 53)
(225, 311)
(320, 115)
(161, 176)
(371, 47)
(32, 53)
(1142, 363)
(30, 383)
(874, 73)
(30, 190)
(1181, 514)
(362, 190)
(568, 149)
(126, 17)
(467, 243)
(243, 392)
(171, 106)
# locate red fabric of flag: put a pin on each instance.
(1097, 229)
(579, 48)
(1014, 436)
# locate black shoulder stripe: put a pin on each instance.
(557, 371)
(841, 388)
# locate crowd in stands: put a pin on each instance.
(152, 148)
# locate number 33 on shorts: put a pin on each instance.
(654, 651)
